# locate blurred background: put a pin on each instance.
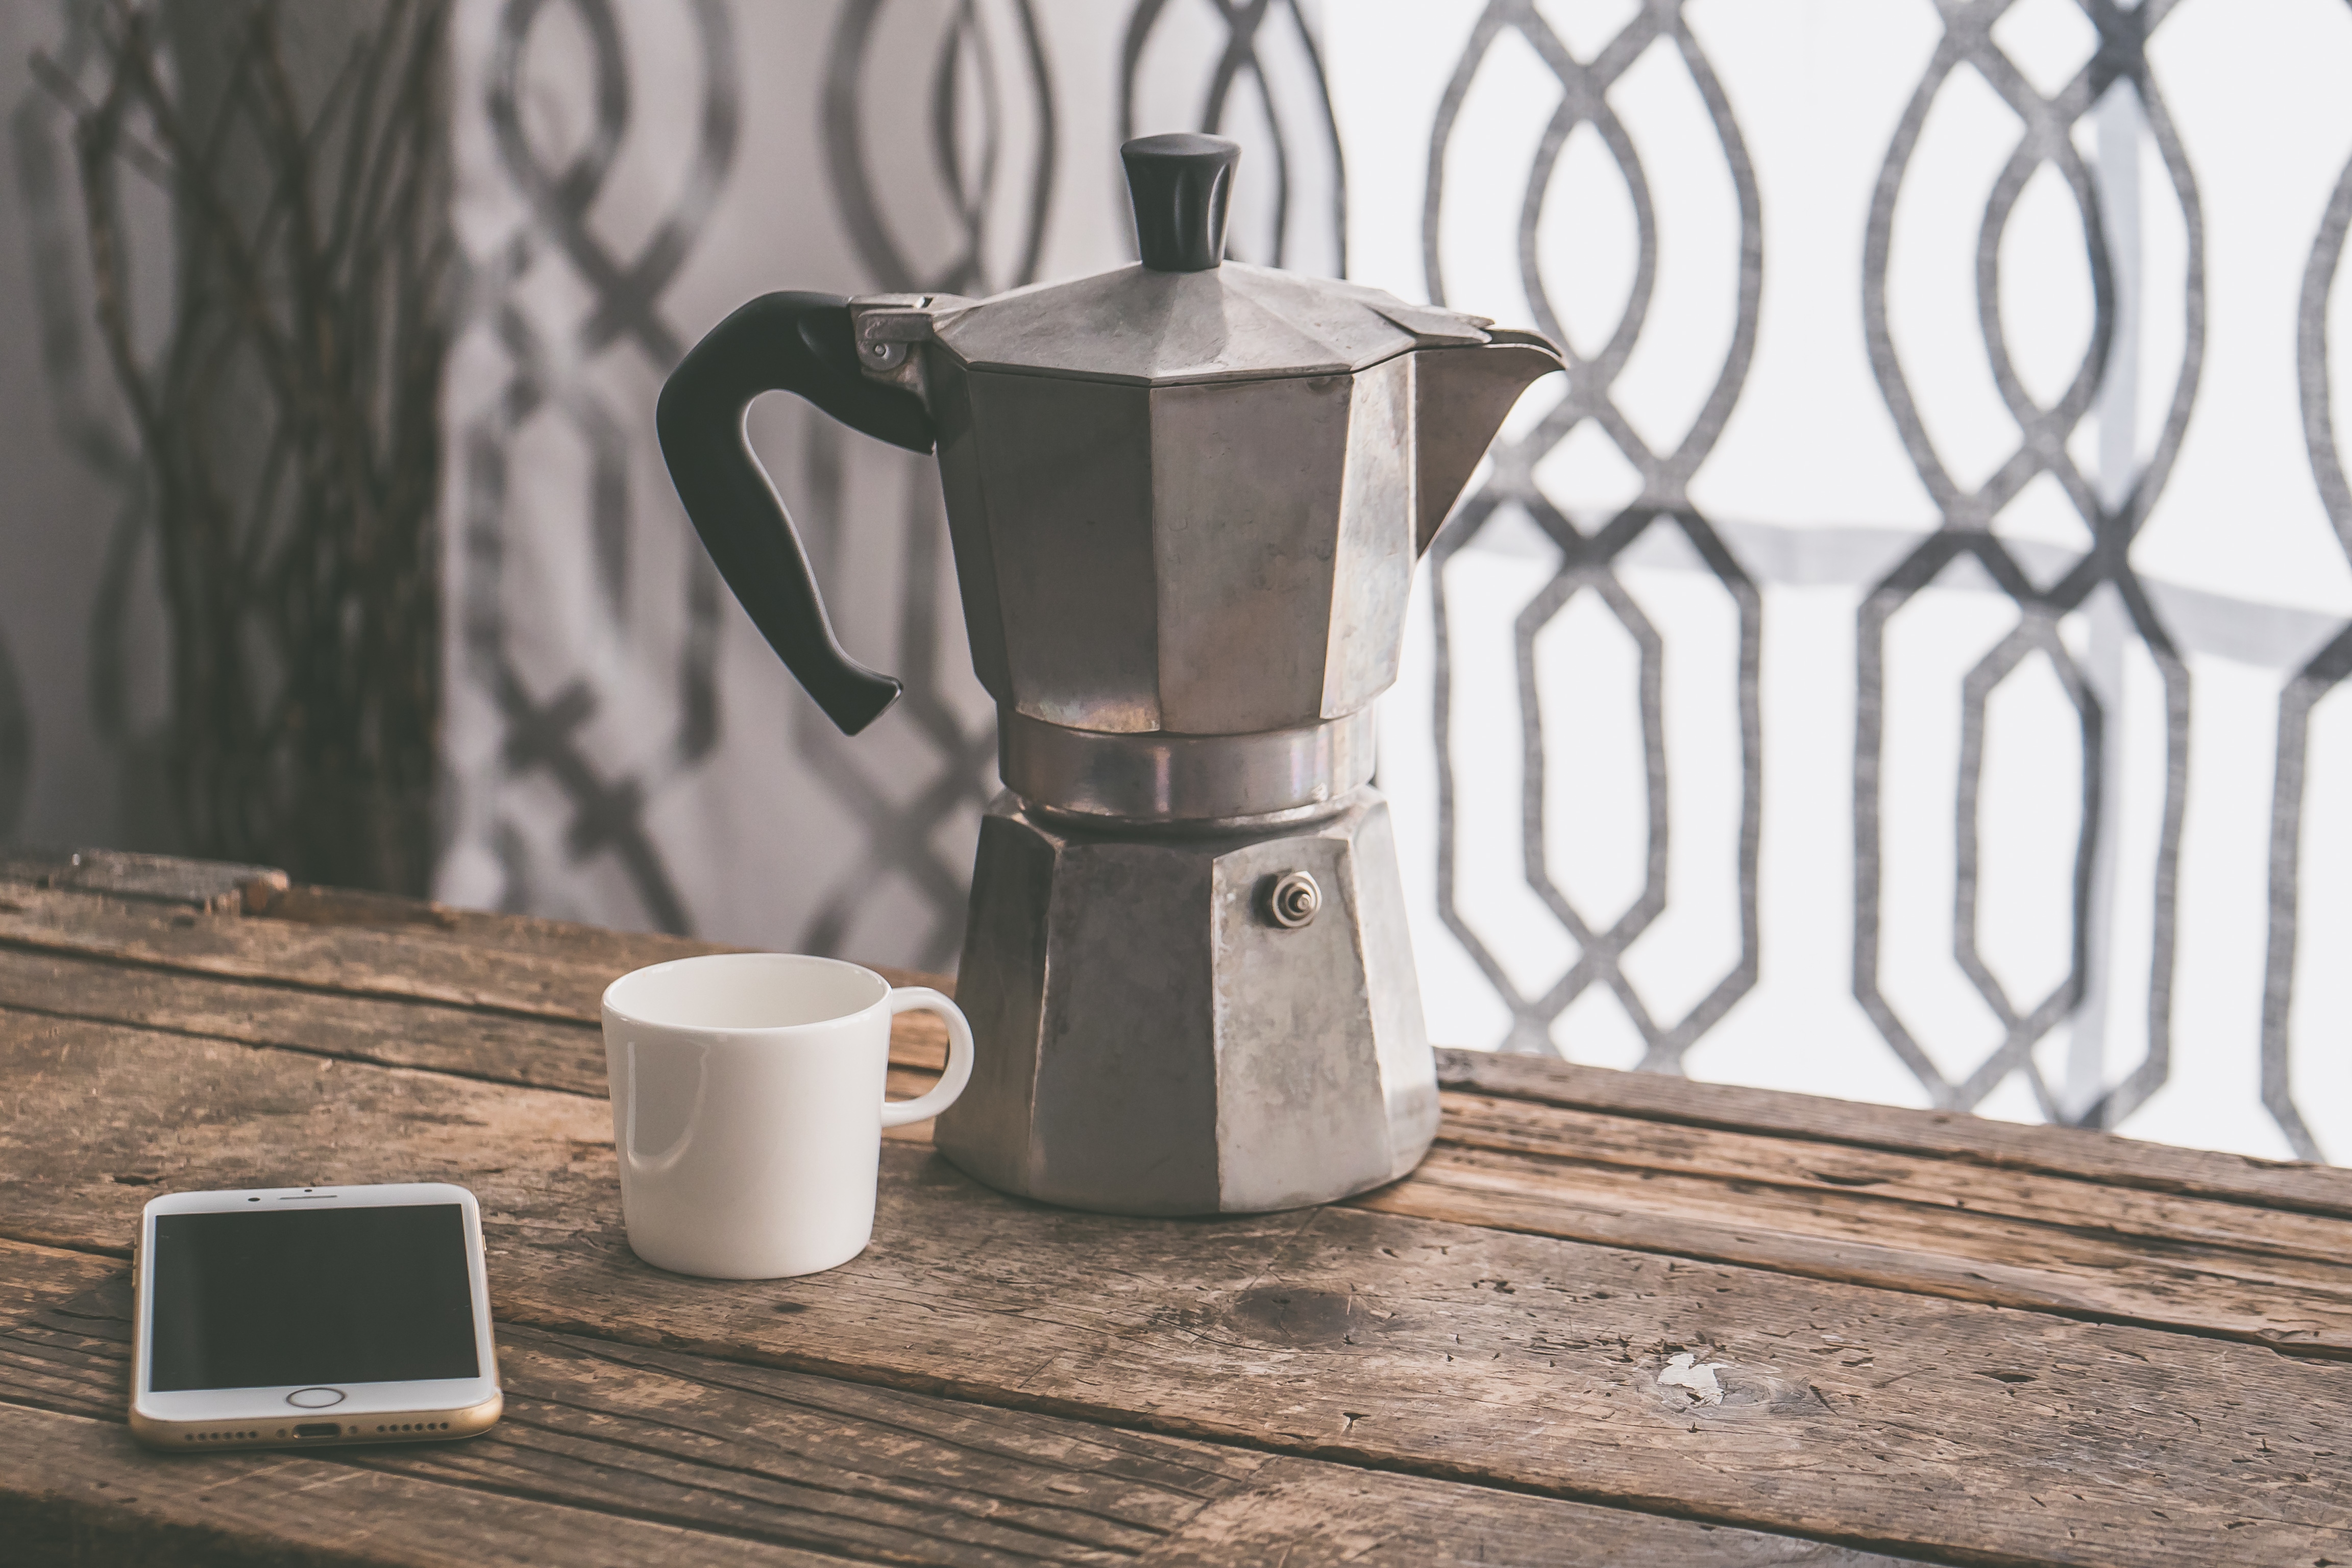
(1904, 660)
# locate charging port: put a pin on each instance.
(319, 1429)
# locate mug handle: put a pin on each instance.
(923, 999)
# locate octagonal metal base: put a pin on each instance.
(1152, 1041)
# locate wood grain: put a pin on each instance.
(2016, 1238)
(1775, 1160)
(1905, 1221)
(2301, 1309)
(866, 1474)
(78, 1492)
(1860, 1416)
(552, 969)
(36, 1278)
(1307, 1515)
(414, 962)
(1951, 1135)
(501, 1048)
(156, 879)
(356, 944)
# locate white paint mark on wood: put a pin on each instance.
(1693, 1377)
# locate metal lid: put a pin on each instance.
(1184, 314)
(1231, 322)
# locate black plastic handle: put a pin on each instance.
(1183, 186)
(778, 342)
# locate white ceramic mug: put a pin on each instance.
(748, 1107)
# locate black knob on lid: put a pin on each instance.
(1179, 185)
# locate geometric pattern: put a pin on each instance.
(966, 146)
(1289, 88)
(2112, 508)
(987, 106)
(937, 141)
(973, 193)
(1586, 559)
(552, 379)
(2326, 671)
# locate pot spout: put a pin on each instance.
(1461, 397)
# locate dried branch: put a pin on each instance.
(288, 426)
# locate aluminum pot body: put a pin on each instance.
(1149, 539)
(1204, 560)
(1165, 1027)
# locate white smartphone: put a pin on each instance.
(299, 1316)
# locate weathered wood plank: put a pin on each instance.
(2002, 1236)
(621, 950)
(74, 1489)
(1777, 1195)
(777, 1457)
(1308, 1515)
(542, 1053)
(1781, 1162)
(566, 1055)
(159, 878)
(395, 962)
(419, 962)
(2214, 1260)
(77, 1493)
(1948, 1134)
(1383, 1341)
(2301, 1306)
(130, 1114)
(366, 944)
(873, 1474)
(38, 1278)
(554, 969)
(1824, 1210)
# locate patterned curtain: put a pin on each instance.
(1890, 668)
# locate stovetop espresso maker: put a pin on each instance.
(1186, 497)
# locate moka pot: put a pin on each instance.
(1186, 497)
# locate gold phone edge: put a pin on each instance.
(206, 1436)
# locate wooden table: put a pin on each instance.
(1935, 1338)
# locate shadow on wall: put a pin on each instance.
(15, 744)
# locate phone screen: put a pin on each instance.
(312, 1295)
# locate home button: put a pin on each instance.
(315, 1398)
